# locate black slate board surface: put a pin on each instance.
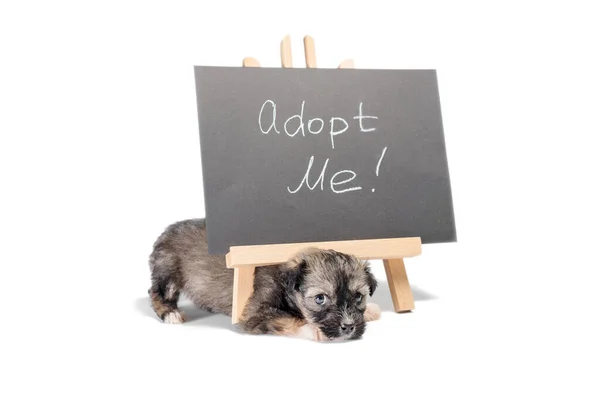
(373, 140)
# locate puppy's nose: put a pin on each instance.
(347, 328)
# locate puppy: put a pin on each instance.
(317, 294)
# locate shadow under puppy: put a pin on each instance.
(317, 294)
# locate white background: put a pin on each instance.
(99, 151)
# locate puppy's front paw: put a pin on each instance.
(311, 333)
(373, 312)
(174, 317)
(319, 336)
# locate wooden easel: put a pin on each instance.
(245, 259)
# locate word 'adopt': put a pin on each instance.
(314, 126)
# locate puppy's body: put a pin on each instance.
(317, 294)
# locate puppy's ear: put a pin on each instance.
(372, 282)
(294, 271)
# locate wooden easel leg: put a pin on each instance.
(399, 285)
(243, 286)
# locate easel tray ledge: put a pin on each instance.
(369, 249)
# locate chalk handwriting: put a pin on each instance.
(332, 182)
(380, 158)
(274, 117)
(310, 122)
(360, 118)
(333, 133)
(337, 125)
(340, 182)
(300, 124)
(305, 179)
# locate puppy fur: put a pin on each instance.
(317, 294)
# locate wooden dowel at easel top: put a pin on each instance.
(286, 52)
(250, 62)
(346, 64)
(309, 52)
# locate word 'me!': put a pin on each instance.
(314, 126)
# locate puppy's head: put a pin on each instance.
(331, 290)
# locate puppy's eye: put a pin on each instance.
(320, 299)
(359, 298)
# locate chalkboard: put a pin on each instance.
(303, 155)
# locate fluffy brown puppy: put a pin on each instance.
(318, 294)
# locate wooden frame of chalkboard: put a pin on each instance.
(245, 259)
